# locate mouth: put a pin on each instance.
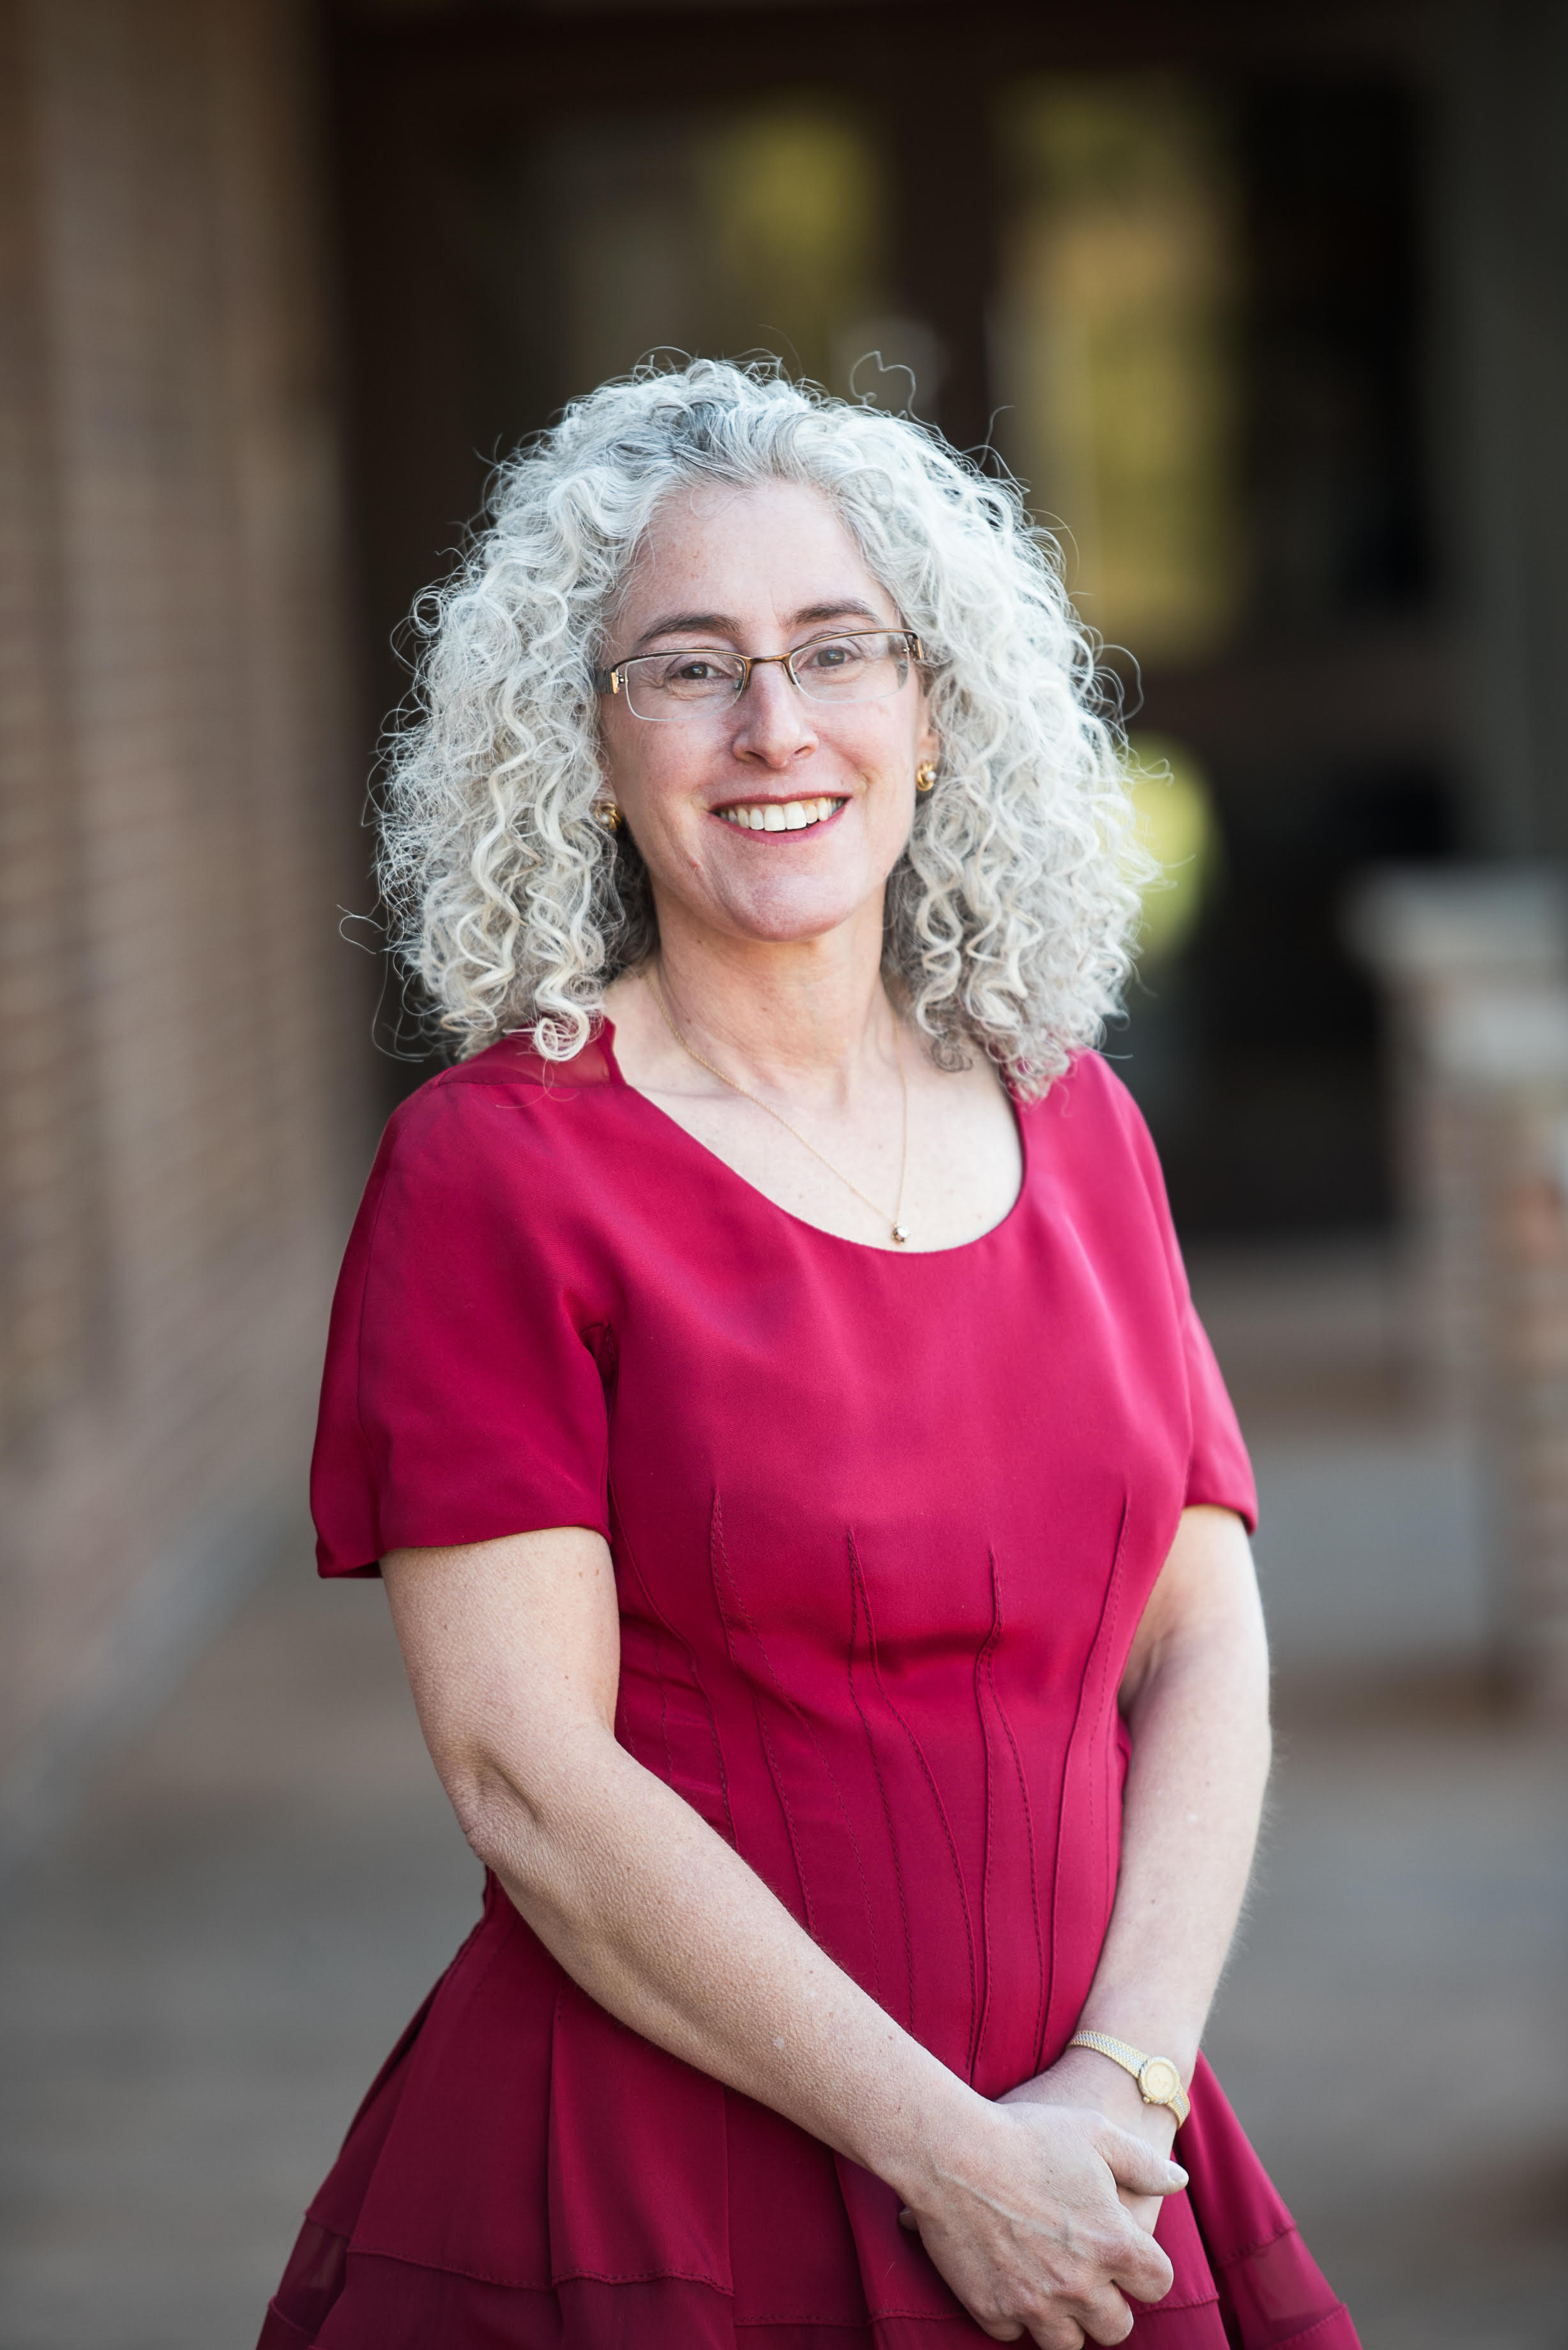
(780, 815)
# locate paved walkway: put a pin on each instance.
(196, 1987)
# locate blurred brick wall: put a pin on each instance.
(182, 1112)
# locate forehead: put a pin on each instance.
(772, 547)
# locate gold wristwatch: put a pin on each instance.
(1160, 2083)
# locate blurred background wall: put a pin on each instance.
(1268, 310)
(183, 1075)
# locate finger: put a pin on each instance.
(1135, 2164)
(1106, 2317)
(908, 2220)
(1060, 2334)
(1143, 2210)
(1145, 2272)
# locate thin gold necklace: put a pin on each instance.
(900, 1231)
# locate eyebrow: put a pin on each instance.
(721, 624)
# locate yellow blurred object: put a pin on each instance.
(1115, 339)
(756, 227)
(791, 201)
(1176, 824)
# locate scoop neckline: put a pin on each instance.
(605, 1040)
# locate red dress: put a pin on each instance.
(883, 1528)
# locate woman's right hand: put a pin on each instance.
(1023, 2217)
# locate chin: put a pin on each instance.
(778, 913)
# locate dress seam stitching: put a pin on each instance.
(678, 1640)
(1329, 2317)
(788, 1701)
(717, 1528)
(856, 1580)
(1028, 1822)
(984, 1655)
(935, 1792)
(1101, 1630)
(1260, 2244)
(567, 2276)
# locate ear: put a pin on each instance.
(930, 745)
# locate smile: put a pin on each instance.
(781, 815)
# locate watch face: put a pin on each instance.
(1159, 2081)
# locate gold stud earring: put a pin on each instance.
(926, 775)
(608, 814)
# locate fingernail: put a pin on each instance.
(1177, 2173)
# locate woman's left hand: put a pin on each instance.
(1091, 2083)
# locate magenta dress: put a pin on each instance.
(883, 1528)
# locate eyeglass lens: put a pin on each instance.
(670, 687)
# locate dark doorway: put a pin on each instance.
(1167, 271)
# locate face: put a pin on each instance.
(762, 570)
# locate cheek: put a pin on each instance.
(646, 772)
(889, 765)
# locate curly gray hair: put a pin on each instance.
(1010, 913)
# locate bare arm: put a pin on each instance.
(512, 1651)
(1195, 1695)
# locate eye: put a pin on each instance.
(697, 672)
(838, 652)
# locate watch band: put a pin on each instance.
(1158, 2081)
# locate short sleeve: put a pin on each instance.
(462, 1398)
(1218, 1472)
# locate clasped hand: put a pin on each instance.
(1026, 2220)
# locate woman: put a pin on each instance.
(812, 1517)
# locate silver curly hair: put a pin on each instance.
(1011, 913)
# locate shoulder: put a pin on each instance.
(1090, 1097)
(504, 1141)
(1089, 1121)
(461, 1101)
(512, 1063)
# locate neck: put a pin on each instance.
(799, 1014)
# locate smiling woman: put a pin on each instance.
(1011, 901)
(810, 1510)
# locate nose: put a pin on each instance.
(774, 723)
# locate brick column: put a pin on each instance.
(1503, 1053)
(182, 1070)
(1432, 938)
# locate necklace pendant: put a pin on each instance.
(900, 1233)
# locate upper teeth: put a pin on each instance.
(773, 816)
